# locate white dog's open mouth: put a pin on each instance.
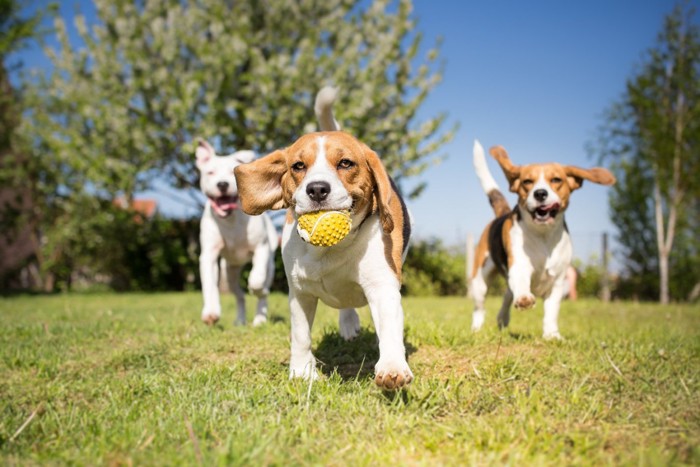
(545, 214)
(224, 205)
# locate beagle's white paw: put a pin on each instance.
(305, 370)
(211, 315)
(552, 336)
(525, 302)
(392, 374)
(259, 320)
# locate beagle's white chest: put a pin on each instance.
(328, 273)
(547, 257)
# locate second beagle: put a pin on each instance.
(529, 244)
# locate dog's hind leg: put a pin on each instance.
(233, 276)
(260, 280)
(504, 313)
(349, 323)
(477, 290)
(552, 302)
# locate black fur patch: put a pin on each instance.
(497, 250)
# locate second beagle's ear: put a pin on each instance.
(383, 188)
(260, 183)
(576, 175)
(512, 172)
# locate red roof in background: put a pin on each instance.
(145, 207)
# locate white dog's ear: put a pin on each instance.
(244, 156)
(261, 183)
(204, 152)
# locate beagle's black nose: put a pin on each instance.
(318, 191)
(540, 195)
(223, 186)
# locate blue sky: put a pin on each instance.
(534, 76)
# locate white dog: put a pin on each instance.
(228, 232)
(332, 170)
(529, 244)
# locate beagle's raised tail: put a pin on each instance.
(488, 183)
(324, 109)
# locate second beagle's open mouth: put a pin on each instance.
(224, 205)
(545, 214)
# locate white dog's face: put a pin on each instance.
(217, 180)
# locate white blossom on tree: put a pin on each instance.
(124, 106)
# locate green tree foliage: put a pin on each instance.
(431, 268)
(651, 139)
(90, 251)
(123, 106)
(590, 275)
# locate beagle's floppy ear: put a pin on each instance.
(576, 175)
(512, 172)
(383, 188)
(260, 183)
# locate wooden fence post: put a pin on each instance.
(470, 258)
(605, 276)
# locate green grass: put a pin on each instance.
(137, 379)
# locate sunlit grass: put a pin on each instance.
(102, 379)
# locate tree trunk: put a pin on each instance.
(663, 278)
(661, 245)
(664, 237)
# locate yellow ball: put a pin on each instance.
(324, 228)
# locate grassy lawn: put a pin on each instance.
(137, 379)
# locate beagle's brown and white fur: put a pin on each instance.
(529, 244)
(332, 170)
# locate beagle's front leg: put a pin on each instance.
(552, 302)
(302, 307)
(392, 370)
(519, 277)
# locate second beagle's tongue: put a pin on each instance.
(542, 210)
(549, 207)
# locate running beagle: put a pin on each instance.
(332, 170)
(529, 244)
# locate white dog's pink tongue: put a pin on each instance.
(224, 205)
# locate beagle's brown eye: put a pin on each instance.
(298, 166)
(556, 180)
(527, 183)
(345, 164)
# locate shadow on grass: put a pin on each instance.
(276, 319)
(518, 336)
(353, 359)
